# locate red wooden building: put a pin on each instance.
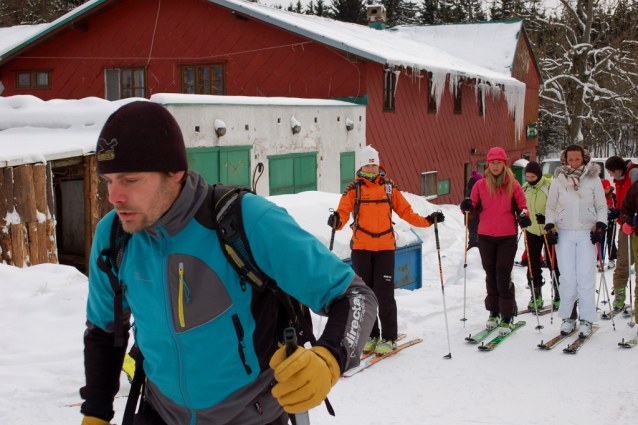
(120, 48)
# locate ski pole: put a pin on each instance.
(438, 252)
(531, 280)
(467, 214)
(554, 279)
(612, 241)
(631, 323)
(290, 339)
(332, 237)
(604, 282)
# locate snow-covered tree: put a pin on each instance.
(21, 12)
(429, 12)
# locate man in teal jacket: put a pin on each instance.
(208, 341)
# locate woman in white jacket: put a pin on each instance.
(576, 203)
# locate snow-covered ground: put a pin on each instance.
(42, 314)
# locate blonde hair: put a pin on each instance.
(493, 182)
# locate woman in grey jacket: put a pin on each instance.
(577, 210)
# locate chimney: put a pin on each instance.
(376, 16)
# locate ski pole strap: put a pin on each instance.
(136, 387)
(104, 264)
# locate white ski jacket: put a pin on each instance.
(571, 209)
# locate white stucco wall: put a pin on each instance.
(266, 126)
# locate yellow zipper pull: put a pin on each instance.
(182, 321)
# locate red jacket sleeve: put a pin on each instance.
(519, 195)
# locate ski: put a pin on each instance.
(366, 364)
(481, 335)
(556, 340)
(578, 343)
(496, 341)
(541, 311)
(628, 344)
(365, 356)
(615, 312)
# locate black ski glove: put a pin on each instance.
(333, 220)
(552, 235)
(613, 214)
(466, 205)
(440, 218)
(524, 220)
(540, 218)
(599, 234)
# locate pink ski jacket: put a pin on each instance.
(497, 218)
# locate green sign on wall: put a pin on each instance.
(292, 173)
(531, 131)
(226, 165)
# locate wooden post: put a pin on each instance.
(51, 245)
(20, 245)
(50, 241)
(6, 207)
(24, 193)
(88, 236)
(34, 244)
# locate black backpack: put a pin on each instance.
(229, 226)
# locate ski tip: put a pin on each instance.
(448, 356)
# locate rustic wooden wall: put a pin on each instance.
(96, 204)
(26, 196)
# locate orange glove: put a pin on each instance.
(305, 378)
(92, 420)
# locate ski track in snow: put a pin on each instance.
(43, 319)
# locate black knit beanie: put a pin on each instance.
(141, 137)
(534, 168)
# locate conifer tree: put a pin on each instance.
(353, 11)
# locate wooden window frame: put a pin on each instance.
(431, 98)
(429, 177)
(33, 75)
(458, 98)
(184, 88)
(121, 87)
(389, 91)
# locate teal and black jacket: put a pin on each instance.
(206, 341)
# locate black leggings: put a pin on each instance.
(497, 256)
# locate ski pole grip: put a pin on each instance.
(290, 339)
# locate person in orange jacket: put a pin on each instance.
(371, 198)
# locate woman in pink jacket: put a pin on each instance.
(502, 205)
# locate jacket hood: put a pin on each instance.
(184, 208)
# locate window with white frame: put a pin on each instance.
(122, 83)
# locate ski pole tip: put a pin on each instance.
(539, 327)
(463, 319)
(448, 356)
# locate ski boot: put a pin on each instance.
(494, 320)
(538, 296)
(567, 326)
(371, 345)
(506, 326)
(585, 328)
(556, 304)
(385, 346)
(621, 296)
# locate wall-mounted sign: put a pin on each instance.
(531, 131)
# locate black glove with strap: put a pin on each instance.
(540, 218)
(524, 220)
(466, 205)
(598, 235)
(552, 235)
(333, 220)
(613, 214)
(440, 218)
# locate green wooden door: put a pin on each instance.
(347, 169)
(235, 166)
(292, 173)
(305, 173)
(205, 161)
(281, 176)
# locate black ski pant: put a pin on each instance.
(376, 268)
(497, 256)
(611, 240)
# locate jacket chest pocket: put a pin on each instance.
(197, 294)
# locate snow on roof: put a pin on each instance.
(203, 99)
(491, 45)
(32, 130)
(12, 37)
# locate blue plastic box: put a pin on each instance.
(407, 266)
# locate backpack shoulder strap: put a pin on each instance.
(109, 261)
